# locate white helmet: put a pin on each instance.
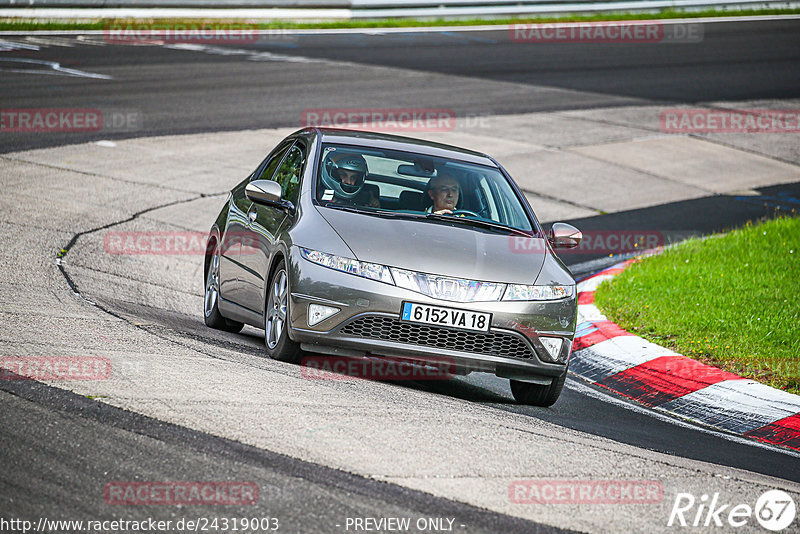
(350, 162)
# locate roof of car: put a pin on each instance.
(405, 144)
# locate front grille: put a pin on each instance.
(391, 329)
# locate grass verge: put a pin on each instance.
(730, 300)
(19, 24)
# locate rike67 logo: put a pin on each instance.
(775, 510)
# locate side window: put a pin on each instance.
(267, 168)
(290, 171)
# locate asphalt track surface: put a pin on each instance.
(184, 92)
(177, 92)
(67, 442)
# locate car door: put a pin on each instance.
(238, 228)
(264, 224)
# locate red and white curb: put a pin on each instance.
(608, 356)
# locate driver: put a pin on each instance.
(345, 176)
(444, 191)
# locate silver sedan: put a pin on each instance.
(363, 245)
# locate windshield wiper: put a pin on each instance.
(449, 218)
(372, 211)
(341, 207)
(480, 222)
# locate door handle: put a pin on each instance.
(252, 216)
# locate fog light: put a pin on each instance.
(318, 313)
(553, 346)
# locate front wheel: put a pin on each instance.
(213, 318)
(276, 313)
(537, 394)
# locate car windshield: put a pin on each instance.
(403, 184)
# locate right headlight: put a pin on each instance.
(373, 271)
(523, 292)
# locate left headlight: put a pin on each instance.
(373, 271)
(522, 292)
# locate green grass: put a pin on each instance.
(731, 300)
(11, 24)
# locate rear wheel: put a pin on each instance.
(537, 394)
(211, 314)
(276, 313)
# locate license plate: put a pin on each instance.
(463, 319)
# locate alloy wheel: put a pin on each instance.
(212, 285)
(276, 309)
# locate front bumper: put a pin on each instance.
(369, 323)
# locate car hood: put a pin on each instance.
(440, 247)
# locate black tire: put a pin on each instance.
(537, 394)
(211, 314)
(276, 314)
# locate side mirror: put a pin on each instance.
(563, 235)
(264, 191)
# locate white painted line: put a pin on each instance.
(173, 13)
(100, 13)
(52, 41)
(590, 313)
(252, 55)
(91, 42)
(589, 7)
(662, 415)
(615, 355)
(629, 351)
(592, 283)
(6, 46)
(53, 68)
(507, 27)
(736, 405)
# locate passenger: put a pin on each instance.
(348, 173)
(444, 191)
